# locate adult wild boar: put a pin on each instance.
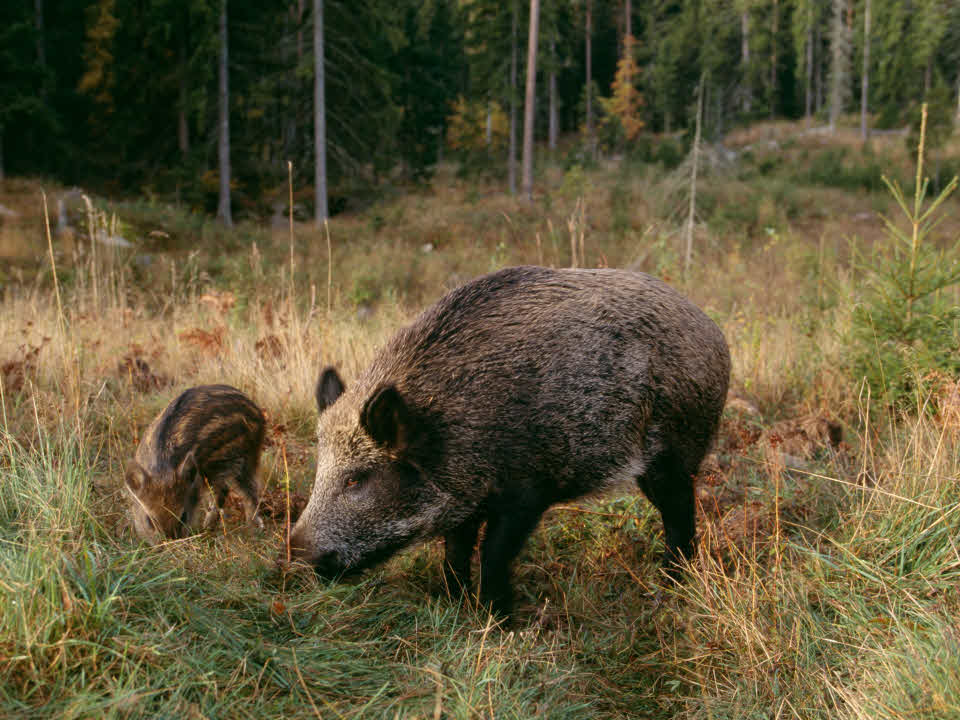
(206, 441)
(523, 388)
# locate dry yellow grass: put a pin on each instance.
(816, 588)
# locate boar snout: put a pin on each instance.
(325, 563)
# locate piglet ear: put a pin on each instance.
(387, 418)
(135, 477)
(329, 388)
(188, 467)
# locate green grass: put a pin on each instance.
(825, 587)
(852, 619)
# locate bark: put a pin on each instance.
(840, 62)
(865, 84)
(589, 51)
(554, 126)
(773, 60)
(223, 206)
(530, 100)
(628, 10)
(808, 94)
(818, 70)
(489, 135)
(183, 127)
(321, 212)
(41, 45)
(745, 59)
(291, 132)
(512, 159)
(299, 31)
(691, 212)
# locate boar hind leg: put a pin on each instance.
(668, 484)
(459, 544)
(506, 532)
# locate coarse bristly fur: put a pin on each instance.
(520, 389)
(206, 441)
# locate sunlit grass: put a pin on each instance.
(822, 589)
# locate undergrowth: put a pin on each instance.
(824, 585)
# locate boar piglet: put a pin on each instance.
(205, 442)
(520, 389)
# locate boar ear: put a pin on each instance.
(329, 388)
(135, 477)
(387, 419)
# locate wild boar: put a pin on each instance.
(205, 442)
(520, 389)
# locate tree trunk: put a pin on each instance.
(529, 101)
(589, 51)
(292, 131)
(321, 212)
(2, 175)
(38, 21)
(818, 70)
(691, 212)
(299, 31)
(489, 133)
(554, 127)
(628, 11)
(775, 26)
(865, 83)
(745, 59)
(512, 159)
(840, 62)
(183, 127)
(808, 94)
(223, 206)
(41, 47)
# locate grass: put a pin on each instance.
(825, 584)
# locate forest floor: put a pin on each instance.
(829, 556)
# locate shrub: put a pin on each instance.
(669, 153)
(907, 328)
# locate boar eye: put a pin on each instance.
(355, 481)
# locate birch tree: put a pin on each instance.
(840, 62)
(528, 112)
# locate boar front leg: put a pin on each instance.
(217, 496)
(506, 532)
(459, 544)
